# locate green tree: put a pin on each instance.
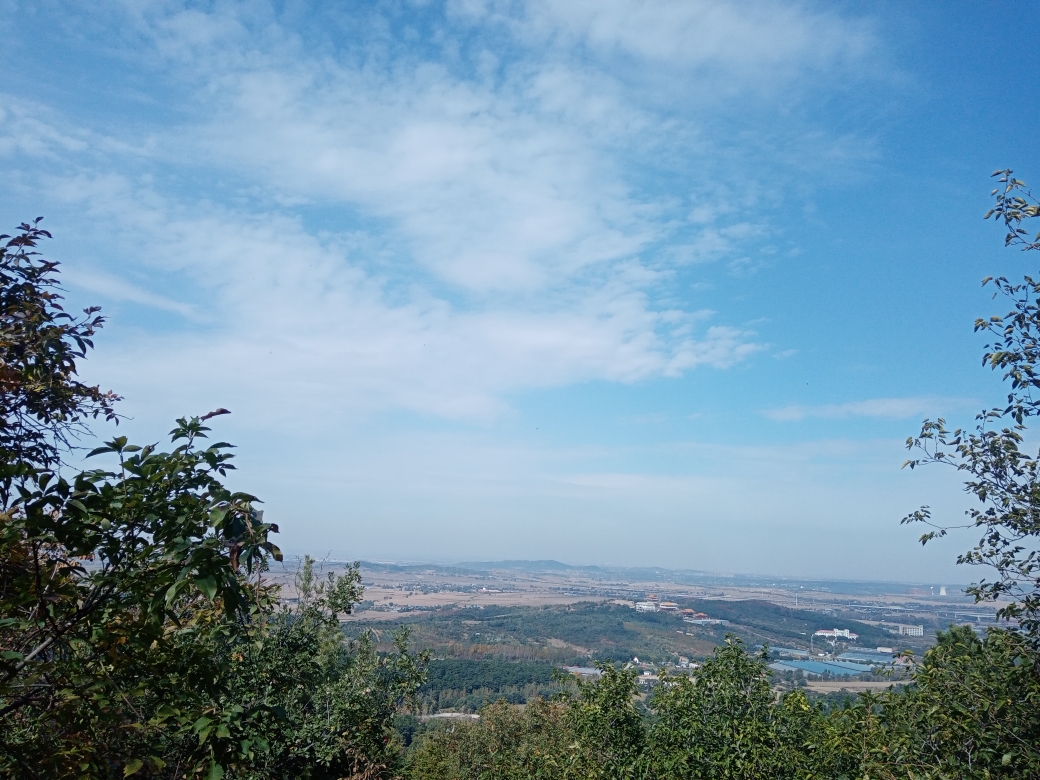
(1003, 475)
(971, 711)
(135, 639)
(42, 402)
(608, 729)
(298, 700)
(507, 743)
(110, 583)
(727, 723)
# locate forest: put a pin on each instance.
(139, 636)
(574, 634)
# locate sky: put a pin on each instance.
(610, 282)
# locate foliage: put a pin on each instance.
(134, 638)
(297, 700)
(1014, 203)
(508, 743)
(971, 712)
(103, 578)
(608, 730)
(1002, 474)
(42, 403)
(467, 685)
(596, 733)
(470, 675)
(726, 723)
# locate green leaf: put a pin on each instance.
(133, 767)
(216, 771)
(207, 585)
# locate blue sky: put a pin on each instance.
(609, 282)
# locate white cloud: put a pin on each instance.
(750, 38)
(881, 408)
(320, 338)
(496, 238)
(118, 289)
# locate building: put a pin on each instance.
(648, 678)
(911, 630)
(668, 606)
(646, 606)
(704, 620)
(836, 633)
(584, 672)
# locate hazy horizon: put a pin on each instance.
(293, 557)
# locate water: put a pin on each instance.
(835, 668)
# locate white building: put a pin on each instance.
(911, 631)
(836, 633)
(646, 606)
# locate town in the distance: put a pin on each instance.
(499, 629)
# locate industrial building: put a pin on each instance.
(836, 633)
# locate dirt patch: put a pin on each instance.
(853, 686)
(560, 645)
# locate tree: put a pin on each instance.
(110, 584)
(969, 712)
(507, 743)
(1002, 474)
(137, 636)
(727, 723)
(42, 403)
(609, 731)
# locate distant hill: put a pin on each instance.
(692, 577)
(533, 566)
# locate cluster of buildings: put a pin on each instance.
(653, 603)
(836, 633)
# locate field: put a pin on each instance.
(777, 610)
(499, 630)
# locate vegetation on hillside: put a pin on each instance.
(463, 685)
(137, 635)
(970, 713)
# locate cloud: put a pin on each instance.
(501, 163)
(740, 39)
(879, 408)
(487, 220)
(484, 222)
(119, 289)
(739, 46)
(320, 338)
